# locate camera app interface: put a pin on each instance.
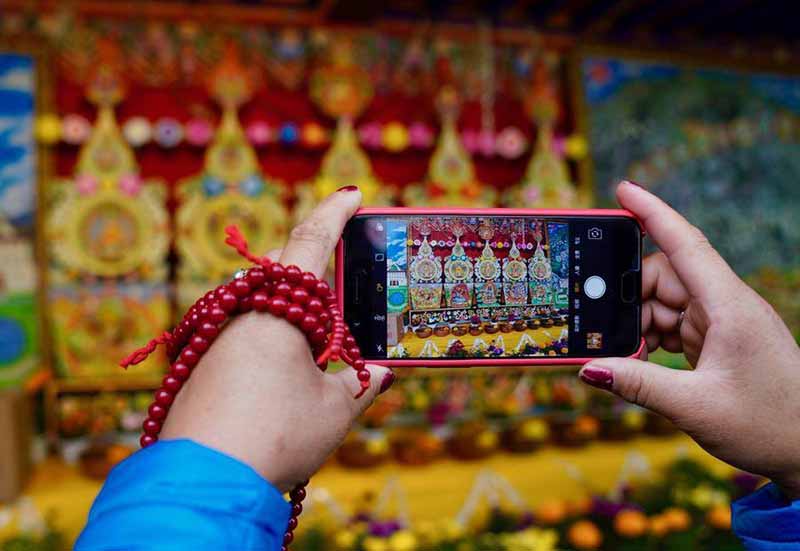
(472, 287)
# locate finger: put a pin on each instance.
(312, 242)
(672, 343)
(702, 270)
(661, 389)
(274, 254)
(660, 281)
(653, 341)
(346, 382)
(660, 318)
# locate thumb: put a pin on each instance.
(660, 389)
(380, 379)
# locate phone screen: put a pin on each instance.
(492, 287)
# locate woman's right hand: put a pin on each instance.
(740, 402)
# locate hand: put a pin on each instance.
(740, 402)
(257, 394)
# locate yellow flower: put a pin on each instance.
(402, 540)
(377, 446)
(394, 136)
(375, 544)
(576, 147)
(48, 128)
(345, 540)
(487, 440)
(535, 429)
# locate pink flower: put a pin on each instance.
(558, 145)
(471, 140)
(486, 142)
(371, 135)
(419, 135)
(259, 133)
(86, 184)
(130, 184)
(531, 195)
(198, 131)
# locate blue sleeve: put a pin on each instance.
(178, 494)
(767, 521)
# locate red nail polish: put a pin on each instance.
(597, 376)
(348, 188)
(631, 182)
(387, 381)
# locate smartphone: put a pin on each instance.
(468, 287)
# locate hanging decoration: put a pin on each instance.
(342, 90)
(451, 179)
(547, 182)
(107, 236)
(230, 190)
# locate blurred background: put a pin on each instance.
(131, 133)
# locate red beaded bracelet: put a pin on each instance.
(285, 291)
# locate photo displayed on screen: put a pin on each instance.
(477, 287)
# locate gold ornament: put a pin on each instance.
(230, 190)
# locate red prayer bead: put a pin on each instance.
(314, 305)
(364, 384)
(293, 274)
(260, 301)
(157, 412)
(283, 289)
(359, 364)
(324, 318)
(151, 427)
(318, 335)
(298, 494)
(308, 281)
(288, 538)
(218, 314)
(245, 304)
(277, 306)
(276, 272)
(292, 524)
(299, 295)
(189, 357)
(199, 344)
(180, 371)
(309, 323)
(322, 289)
(349, 341)
(239, 287)
(208, 330)
(297, 508)
(164, 397)
(228, 301)
(294, 313)
(256, 277)
(363, 375)
(172, 384)
(147, 440)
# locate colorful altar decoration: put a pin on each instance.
(451, 179)
(230, 190)
(107, 236)
(342, 90)
(547, 182)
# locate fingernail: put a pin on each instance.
(631, 182)
(599, 377)
(348, 188)
(387, 381)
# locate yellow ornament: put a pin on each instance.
(576, 147)
(394, 136)
(678, 519)
(659, 526)
(377, 446)
(585, 535)
(630, 523)
(48, 128)
(344, 540)
(535, 429)
(402, 540)
(487, 440)
(375, 544)
(719, 517)
(551, 512)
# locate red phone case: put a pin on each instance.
(499, 362)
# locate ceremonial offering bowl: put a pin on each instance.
(520, 325)
(506, 327)
(490, 328)
(441, 330)
(423, 332)
(475, 329)
(460, 329)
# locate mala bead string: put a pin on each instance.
(269, 287)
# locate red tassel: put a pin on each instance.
(236, 240)
(140, 355)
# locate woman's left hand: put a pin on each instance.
(257, 394)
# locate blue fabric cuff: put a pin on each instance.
(178, 492)
(766, 520)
